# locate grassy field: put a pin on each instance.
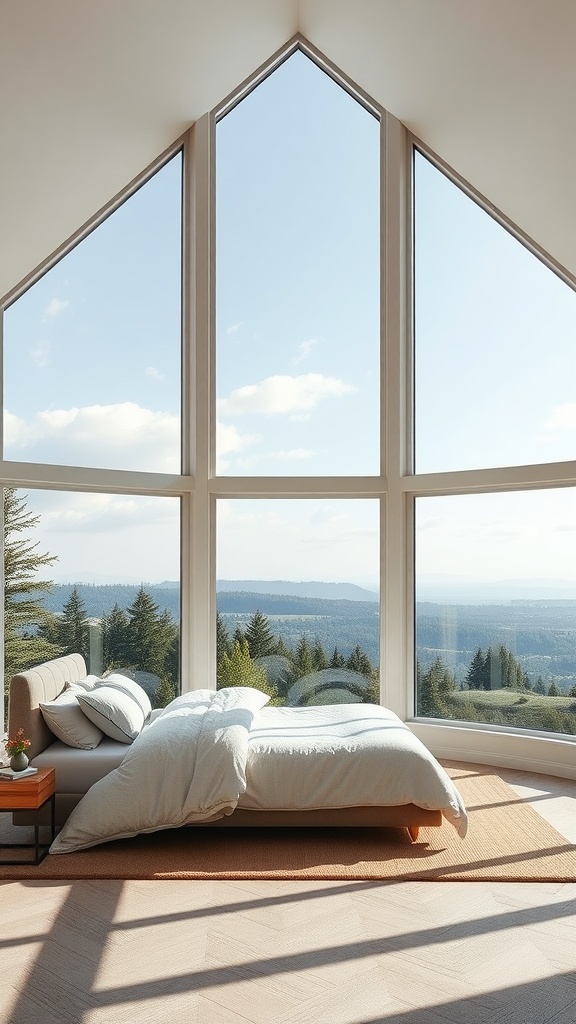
(523, 710)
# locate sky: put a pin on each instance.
(92, 361)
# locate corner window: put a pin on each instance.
(495, 362)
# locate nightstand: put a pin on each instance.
(30, 793)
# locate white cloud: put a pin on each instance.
(234, 329)
(55, 306)
(122, 436)
(108, 537)
(304, 350)
(103, 513)
(41, 354)
(153, 373)
(231, 442)
(562, 418)
(14, 430)
(282, 394)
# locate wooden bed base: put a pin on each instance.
(407, 816)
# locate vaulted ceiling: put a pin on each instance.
(91, 92)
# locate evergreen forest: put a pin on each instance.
(301, 650)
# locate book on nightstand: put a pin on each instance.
(7, 773)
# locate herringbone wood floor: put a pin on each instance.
(295, 952)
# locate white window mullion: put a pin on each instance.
(396, 556)
(198, 587)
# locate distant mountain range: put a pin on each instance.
(541, 633)
(328, 591)
(470, 590)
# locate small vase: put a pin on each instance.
(18, 762)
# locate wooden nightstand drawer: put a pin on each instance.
(28, 793)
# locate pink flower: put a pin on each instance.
(18, 744)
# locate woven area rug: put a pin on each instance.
(507, 841)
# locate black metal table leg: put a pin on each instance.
(40, 851)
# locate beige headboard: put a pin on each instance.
(42, 683)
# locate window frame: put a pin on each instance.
(396, 487)
(482, 743)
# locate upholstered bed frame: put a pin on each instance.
(45, 682)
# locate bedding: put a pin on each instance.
(44, 702)
(65, 718)
(189, 765)
(208, 753)
(114, 711)
(344, 755)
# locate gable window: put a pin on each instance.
(302, 380)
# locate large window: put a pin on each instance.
(495, 362)
(298, 387)
(92, 407)
(297, 279)
(219, 415)
(92, 349)
(495, 339)
(298, 599)
(90, 595)
(495, 608)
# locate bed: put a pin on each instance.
(229, 759)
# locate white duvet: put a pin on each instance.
(209, 752)
(343, 755)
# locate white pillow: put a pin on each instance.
(88, 683)
(114, 711)
(129, 686)
(65, 718)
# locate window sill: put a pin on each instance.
(532, 752)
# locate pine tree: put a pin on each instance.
(553, 690)
(281, 648)
(337, 660)
(504, 656)
(429, 690)
(238, 636)
(359, 662)
(259, 636)
(170, 633)
(475, 674)
(319, 659)
(487, 670)
(164, 694)
(24, 644)
(446, 678)
(115, 638)
(223, 645)
(149, 636)
(72, 626)
(302, 659)
(238, 669)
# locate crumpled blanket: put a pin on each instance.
(189, 765)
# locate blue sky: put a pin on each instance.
(495, 340)
(297, 279)
(92, 362)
